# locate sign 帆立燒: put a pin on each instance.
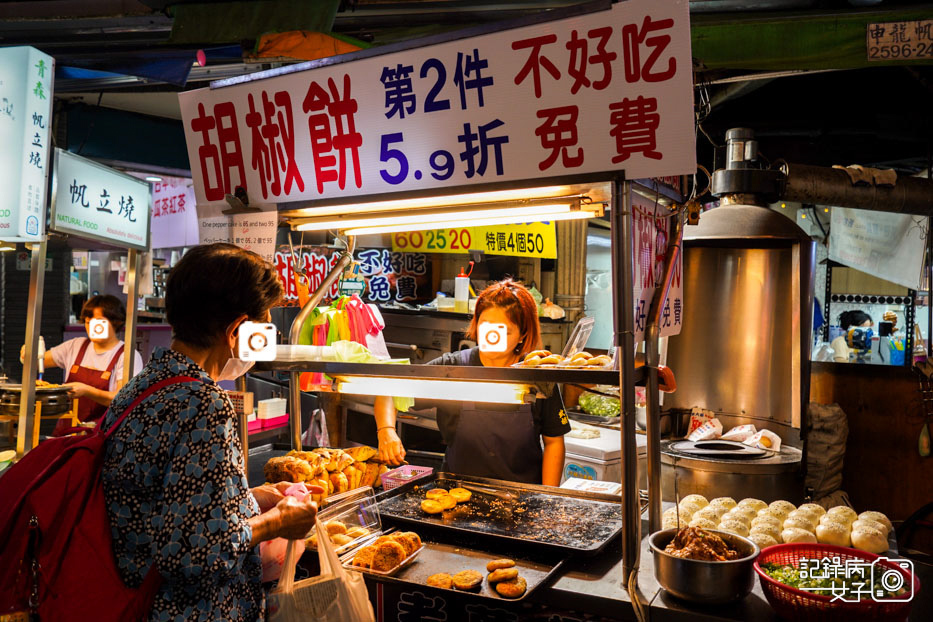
(610, 90)
(93, 201)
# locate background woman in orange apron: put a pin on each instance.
(94, 364)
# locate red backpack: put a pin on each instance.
(56, 551)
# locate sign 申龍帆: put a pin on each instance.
(610, 90)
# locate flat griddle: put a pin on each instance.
(543, 517)
(453, 556)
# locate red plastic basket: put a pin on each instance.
(799, 605)
(403, 475)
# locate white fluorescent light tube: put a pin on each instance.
(438, 201)
(468, 222)
(517, 214)
(465, 391)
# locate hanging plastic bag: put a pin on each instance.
(272, 552)
(337, 595)
(316, 435)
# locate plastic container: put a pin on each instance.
(358, 511)
(403, 475)
(254, 426)
(274, 422)
(791, 603)
(462, 290)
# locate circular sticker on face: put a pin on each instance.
(257, 341)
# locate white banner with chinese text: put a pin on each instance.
(888, 246)
(652, 231)
(606, 91)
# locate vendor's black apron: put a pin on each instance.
(495, 444)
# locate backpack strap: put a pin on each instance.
(149, 391)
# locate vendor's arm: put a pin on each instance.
(390, 445)
(840, 350)
(553, 462)
(97, 395)
(553, 423)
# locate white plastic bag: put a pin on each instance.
(316, 435)
(337, 595)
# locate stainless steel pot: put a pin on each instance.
(704, 582)
(768, 479)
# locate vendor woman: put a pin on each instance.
(515, 443)
(94, 364)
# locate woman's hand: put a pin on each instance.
(80, 389)
(295, 518)
(390, 447)
(269, 495)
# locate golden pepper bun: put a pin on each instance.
(810, 514)
(669, 518)
(697, 499)
(357, 532)
(335, 527)
(436, 493)
(581, 355)
(869, 539)
(553, 359)
(703, 523)
(577, 363)
(799, 522)
(763, 540)
(441, 579)
(502, 574)
(833, 533)
(340, 539)
(364, 557)
(406, 541)
(733, 526)
(534, 361)
(754, 504)
(803, 515)
(497, 564)
(461, 495)
(780, 509)
(815, 508)
(415, 538)
(878, 517)
(512, 589)
(431, 506)
(447, 502)
(794, 534)
(726, 502)
(388, 555)
(467, 579)
(538, 353)
(767, 520)
(844, 512)
(770, 530)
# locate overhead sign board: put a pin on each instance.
(533, 239)
(26, 80)
(93, 201)
(606, 91)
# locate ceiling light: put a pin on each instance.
(153, 178)
(491, 392)
(457, 216)
(467, 222)
(434, 201)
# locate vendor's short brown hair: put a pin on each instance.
(214, 284)
(110, 306)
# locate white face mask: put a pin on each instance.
(234, 368)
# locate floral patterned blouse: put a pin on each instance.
(177, 495)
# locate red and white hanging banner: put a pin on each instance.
(605, 91)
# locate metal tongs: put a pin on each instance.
(502, 495)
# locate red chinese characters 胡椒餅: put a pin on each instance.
(273, 144)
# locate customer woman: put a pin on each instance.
(173, 476)
(492, 440)
(94, 364)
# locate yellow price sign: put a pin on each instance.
(536, 239)
(533, 239)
